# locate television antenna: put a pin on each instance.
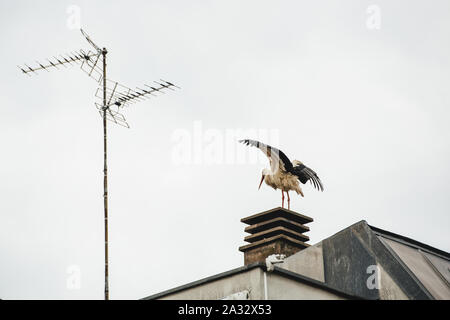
(111, 98)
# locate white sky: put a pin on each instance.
(367, 109)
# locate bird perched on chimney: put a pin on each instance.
(284, 174)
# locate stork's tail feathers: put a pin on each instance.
(299, 191)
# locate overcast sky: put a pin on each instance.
(357, 90)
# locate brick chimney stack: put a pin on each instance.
(276, 231)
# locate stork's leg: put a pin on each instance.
(289, 200)
(282, 198)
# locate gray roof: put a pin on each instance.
(419, 270)
(428, 266)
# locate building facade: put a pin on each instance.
(359, 262)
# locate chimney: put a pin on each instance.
(276, 231)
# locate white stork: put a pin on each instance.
(284, 174)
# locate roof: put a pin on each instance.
(429, 267)
(280, 271)
(410, 242)
(418, 270)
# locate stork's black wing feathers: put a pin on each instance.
(304, 174)
(270, 151)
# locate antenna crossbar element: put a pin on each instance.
(92, 67)
(54, 62)
(96, 47)
(113, 114)
(120, 95)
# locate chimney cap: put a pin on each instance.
(294, 243)
(276, 213)
(280, 221)
(276, 231)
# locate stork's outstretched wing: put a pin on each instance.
(278, 160)
(304, 174)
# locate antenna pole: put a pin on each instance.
(109, 104)
(105, 175)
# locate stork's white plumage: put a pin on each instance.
(284, 174)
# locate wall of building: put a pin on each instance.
(282, 288)
(251, 280)
(308, 262)
(259, 285)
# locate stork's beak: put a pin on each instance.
(262, 179)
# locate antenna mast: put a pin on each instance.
(113, 97)
(105, 176)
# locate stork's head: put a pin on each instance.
(265, 173)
